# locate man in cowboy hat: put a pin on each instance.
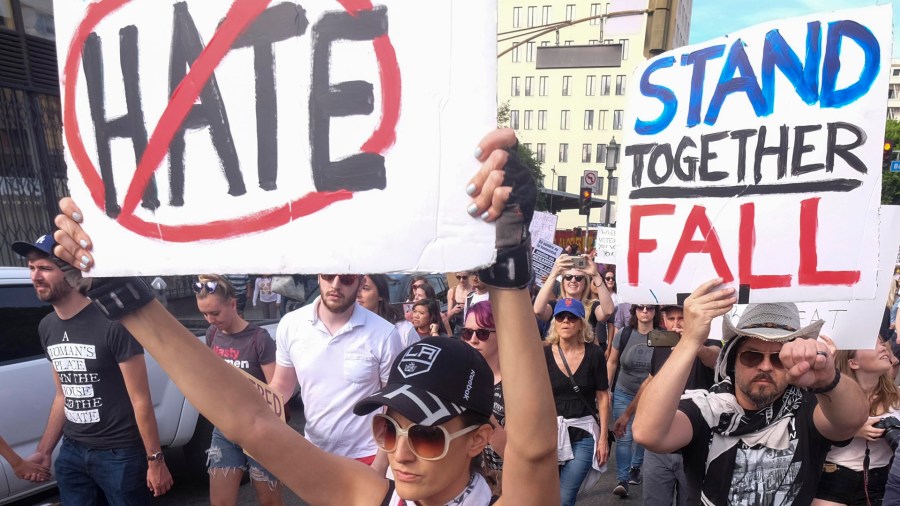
(760, 435)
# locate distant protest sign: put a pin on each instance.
(756, 157)
(543, 257)
(278, 137)
(605, 244)
(543, 226)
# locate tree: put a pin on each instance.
(890, 181)
(526, 156)
(503, 115)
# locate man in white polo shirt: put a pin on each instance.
(340, 353)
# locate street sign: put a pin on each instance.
(895, 166)
(590, 178)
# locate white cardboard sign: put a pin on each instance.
(605, 244)
(282, 137)
(854, 324)
(543, 257)
(543, 227)
(757, 157)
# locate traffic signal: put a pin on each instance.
(584, 201)
(888, 151)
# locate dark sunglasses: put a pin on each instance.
(344, 279)
(426, 442)
(610, 278)
(752, 358)
(578, 277)
(644, 308)
(561, 317)
(209, 286)
(481, 334)
(460, 278)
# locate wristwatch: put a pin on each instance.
(156, 457)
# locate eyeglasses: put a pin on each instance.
(481, 334)
(344, 279)
(609, 278)
(426, 442)
(644, 308)
(460, 278)
(752, 358)
(209, 286)
(578, 277)
(561, 317)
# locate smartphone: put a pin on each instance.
(662, 338)
(579, 262)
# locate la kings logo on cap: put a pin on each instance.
(418, 360)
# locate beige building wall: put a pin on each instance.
(893, 111)
(569, 116)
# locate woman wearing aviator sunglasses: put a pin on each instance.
(581, 393)
(419, 377)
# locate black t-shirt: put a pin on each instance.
(758, 475)
(700, 377)
(85, 352)
(599, 326)
(491, 458)
(590, 377)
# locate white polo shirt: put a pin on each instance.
(336, 371)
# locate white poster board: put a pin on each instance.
(756, 157)
(249, 136)
(851, 324)
(543, 257)
(543, 227)
(605, 244)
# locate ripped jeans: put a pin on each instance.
(223, 456)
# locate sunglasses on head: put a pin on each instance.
(481, 334)
(561, 317)
(426, 442)
(344, 279)
(644, 308)
(752, 358)
(578, 277)
(209, 286)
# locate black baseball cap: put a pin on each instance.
(433, 381)
(43, 244)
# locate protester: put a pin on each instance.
(111, 451)
(428, 320)
(418, 282)
(478, 294)
(372, 296)
(241, 284)
(456, 301)
(857, 473)
(581, 392)
(263, 294)
(251, 349)
(425, 472)
(628, 366)
(423, 291)
(760, 435)
(24, 469)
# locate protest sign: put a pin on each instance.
(543, 257)
(543, 226)
(292, 137)
(605, 244)
(756, 157)
(851, 324)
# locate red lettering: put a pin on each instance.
(698, 220)
(636, 245)
(809, 273)
(746, 245)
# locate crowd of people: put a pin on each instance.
(517, 394)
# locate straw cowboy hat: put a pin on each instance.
(778, 323)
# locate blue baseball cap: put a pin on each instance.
(573, 306)
(43, 244)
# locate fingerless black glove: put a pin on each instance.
(116, 297)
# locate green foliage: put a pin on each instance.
(527, 157)
(890, 181)
(503, 115)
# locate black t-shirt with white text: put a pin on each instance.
(85, 351)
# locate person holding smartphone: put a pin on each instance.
(578, 274)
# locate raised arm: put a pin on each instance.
(542, 307)
(606, 307)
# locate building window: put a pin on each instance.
(896, 72)
(529, 51)
(514, 119)
(607, 41)
(624, 43)
(620, 85)
(515, 53)
(601, 153)
(585, 153)
(564, 120)
(542, 120)
(604, 85)
(595, 11)
(570, 42)
(542, 86)
(565, 86)
(570, 12)
(541, 152)
(545, 43)
(593, 42)
(589, 119)
(531, 10)
(563, 157)
(528, 81)
(514, 87)
(618, 116)
(527, 123)
(590, 86)
(561, 181)
(545, 15)
(517, 17)
(601, 120)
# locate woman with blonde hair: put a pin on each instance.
(580, 389)
(576, 284)
(857, 473)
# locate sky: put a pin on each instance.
(714, 18)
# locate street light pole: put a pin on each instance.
(612, 156)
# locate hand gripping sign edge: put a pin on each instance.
(240, 15)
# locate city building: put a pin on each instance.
(893, 109)
(569, 115)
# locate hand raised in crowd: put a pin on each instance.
(72, 243)
(704, 304)
(562, 263)
(869, 432)
(808, 362)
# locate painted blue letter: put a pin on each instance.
(698, 60)
(737, 62)
(837, 30)
(777, 52)
(661, 93)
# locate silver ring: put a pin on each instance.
(824, 354)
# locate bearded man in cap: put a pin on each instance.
(761, 433)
